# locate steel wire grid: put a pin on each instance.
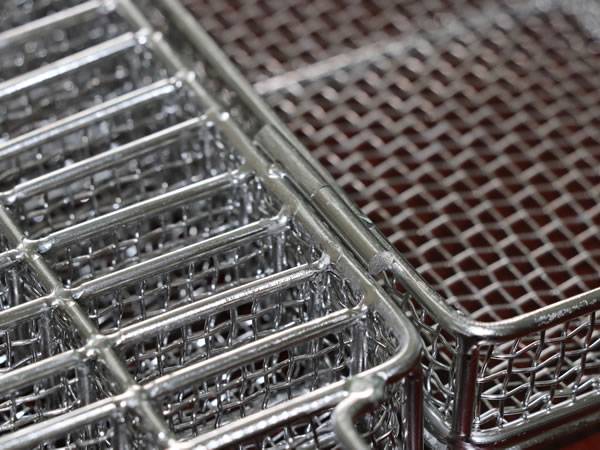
(468, 133)
(164, 281)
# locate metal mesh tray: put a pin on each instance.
(165, 281)
(468, 133)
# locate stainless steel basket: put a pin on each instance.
(174, 271)
(467, 131)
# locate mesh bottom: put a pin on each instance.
(468, 133)
(124, 127)
(64, 96)
(14, 13)
(57, 43)
(473, 147)
(268, 38)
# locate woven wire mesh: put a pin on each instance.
(266, 381)
(50, 397)
(115, 431)
(131, 244)
(123, 204)
(538, 372)
(468, 133)
(26, 111)
(31, 340)
(56, 44)
(139, 179)
(129, 125)
(476, 156)
(268, 38)
(14, 13)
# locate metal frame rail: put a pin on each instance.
(262, 156)
(467, 337)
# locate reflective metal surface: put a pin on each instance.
(467, 132)
(169, 274)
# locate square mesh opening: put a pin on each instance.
(27, 341)
(198, 279)
(194, 155)
(224, 329)
(57, 42)
(119, 129)
(236, 393)
(105, 79)
(152, 235)
(33, 339)
(18, 284)
(42, 399)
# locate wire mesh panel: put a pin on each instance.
(56, 43)
(24, 109)
(127, 244)
(271, 38)
(537, 372)
(467, 133)
(32, 340)
(15, 13)
(466, 151)
(220, 329)
(162, 106)
(117, 430)
(157, 170)
(47, 398)
(162, 283)
(258, 384)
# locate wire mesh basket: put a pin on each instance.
(467, 131)
(165, 281)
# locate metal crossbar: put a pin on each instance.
(163, 283)
(466, 132)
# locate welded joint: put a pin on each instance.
(282, 219)
(95, 344)
(363, 392)
(136, 394)
(381, 262)
(321, 264)
(32, 247)
(274, 176)
(242, 175)
(465, 386)
(142, 37)
(133, 399)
